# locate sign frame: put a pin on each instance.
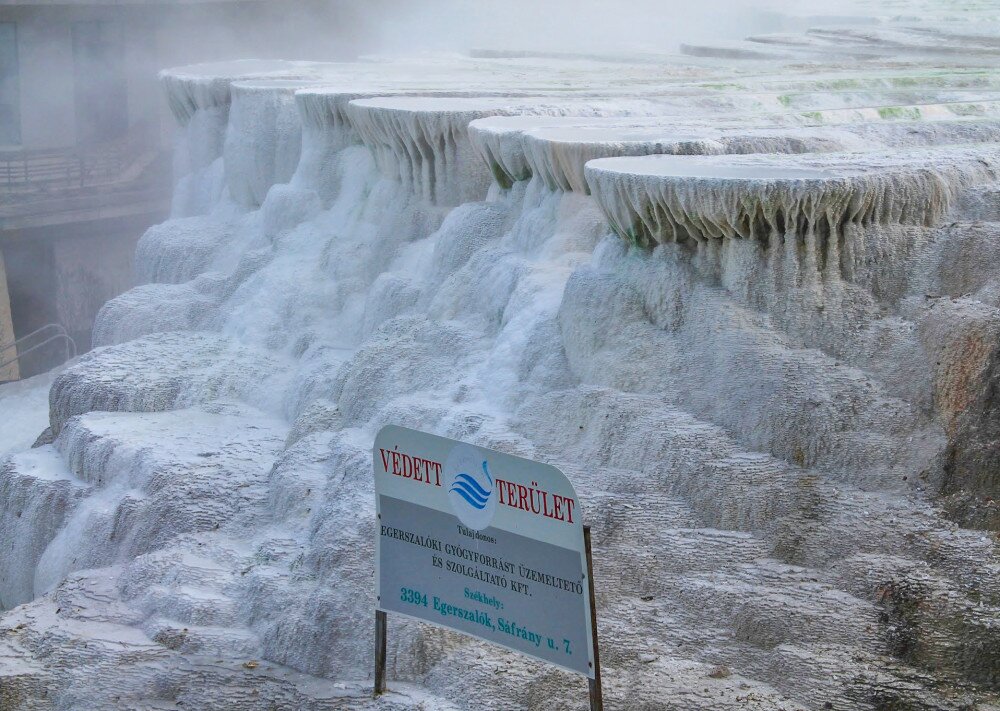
(429, 472)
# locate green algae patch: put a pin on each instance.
(724, 86)
(968, 109)
(899, 113)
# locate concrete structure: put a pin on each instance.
(9, 371)
(83, 136)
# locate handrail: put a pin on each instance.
(74, 166)
(13, 343)
(71, 347)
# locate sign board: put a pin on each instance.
(485, 543)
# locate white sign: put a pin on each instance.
(484, 543)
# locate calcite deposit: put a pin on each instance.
(747, 296)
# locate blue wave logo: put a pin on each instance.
(470, 486)
(471, 490)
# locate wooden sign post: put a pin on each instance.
(596, 692)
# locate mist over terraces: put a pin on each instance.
(85, 145)
(746, 295)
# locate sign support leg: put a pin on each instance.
(596, 692)
(379, 653)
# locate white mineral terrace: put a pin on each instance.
(666, 198)
(558, 155)
(205, 86)
(424, 141)
(747, 297)
(557, 147)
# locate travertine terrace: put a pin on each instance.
(747, 296)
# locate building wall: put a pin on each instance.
(158, 36)
(46, 59)
(31, 284)
(64, 280)
(65, 272)
(142, 60)
(9, 372)
(10, 92)
(45, 49)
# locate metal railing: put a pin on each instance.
(72, 167)
(47, 327)
(60, 334)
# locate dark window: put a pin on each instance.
(10, 91)
(99, 75)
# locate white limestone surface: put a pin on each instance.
(658, 198)
(24, 406)
(776, 396)
(424, 143)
